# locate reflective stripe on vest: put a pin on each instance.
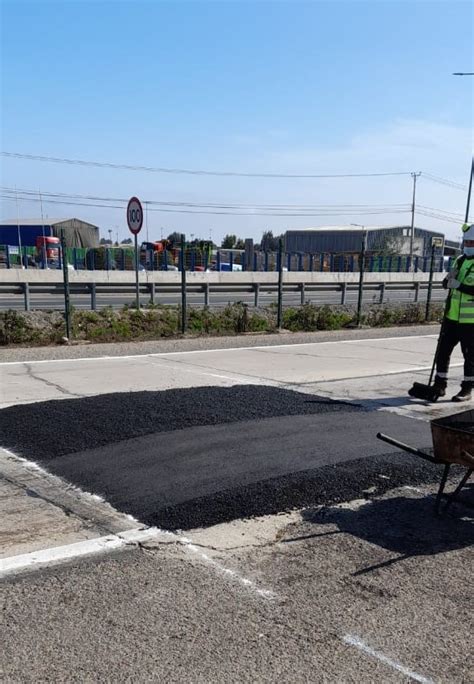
(461, 308)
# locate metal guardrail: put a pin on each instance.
(154, 290)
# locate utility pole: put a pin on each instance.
(412, 227)
(22, 265)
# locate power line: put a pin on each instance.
(451, 214)
(193, 172)
(342, 212)
(208, 205)
(439, 217)
(444, 181)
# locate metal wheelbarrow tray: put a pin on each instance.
(453, 442)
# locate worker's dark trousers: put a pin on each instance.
(453, 334)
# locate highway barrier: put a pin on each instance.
(152, 286)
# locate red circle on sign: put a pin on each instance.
(134, 215)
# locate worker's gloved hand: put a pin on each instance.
(453, 284)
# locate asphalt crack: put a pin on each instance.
(49, 383)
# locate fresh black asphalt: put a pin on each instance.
(186, 458)
(54, 428)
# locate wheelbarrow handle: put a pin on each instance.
(406, 447)
(469, 457)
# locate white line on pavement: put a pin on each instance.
(358, 643)
(107, 543)
(113, 542)
(206, 351)
(264, 593)
(26, 561)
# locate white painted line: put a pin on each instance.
(57, 554)
(208, 351)
(87, 547)
(105, 544)
(113, 542)
(263, 593)
(358, 643)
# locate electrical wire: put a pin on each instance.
(439, 217)
(444, 181)
(451, 214)
(208, 205)
(193, 172)
(342, 212)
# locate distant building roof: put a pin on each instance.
(33, 221)
(351, 228)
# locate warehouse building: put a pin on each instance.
(347, 240)
(25, 231)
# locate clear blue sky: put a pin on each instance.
(291, 87)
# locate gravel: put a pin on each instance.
(318, 487)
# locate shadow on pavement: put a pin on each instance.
(406, 526)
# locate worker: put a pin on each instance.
(458, 324)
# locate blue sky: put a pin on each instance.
(290, 87)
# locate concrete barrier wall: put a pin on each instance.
(14, 276)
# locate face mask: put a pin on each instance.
(469, 251)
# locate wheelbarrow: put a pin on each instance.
(453, 442)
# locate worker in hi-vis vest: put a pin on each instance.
(458, 324)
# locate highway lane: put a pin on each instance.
(217, 300)
(201, 430)
(219, 436)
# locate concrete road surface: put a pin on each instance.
(315, 541)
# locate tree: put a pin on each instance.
(175, 238)
(229, 242)
(269, 241)
(104, 241)
(240, 244)
(127, 241)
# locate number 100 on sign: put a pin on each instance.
(134, 215)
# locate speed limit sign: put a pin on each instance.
(134, 215)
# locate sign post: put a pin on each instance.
(183, 284)
(67, 300)
(135, 223)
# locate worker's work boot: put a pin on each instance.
(464, 394)
(439, 387)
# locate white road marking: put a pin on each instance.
(358, 643)
(206, 351)
(264, 593)
(59, 553)
(107, 543)
(113, 542)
